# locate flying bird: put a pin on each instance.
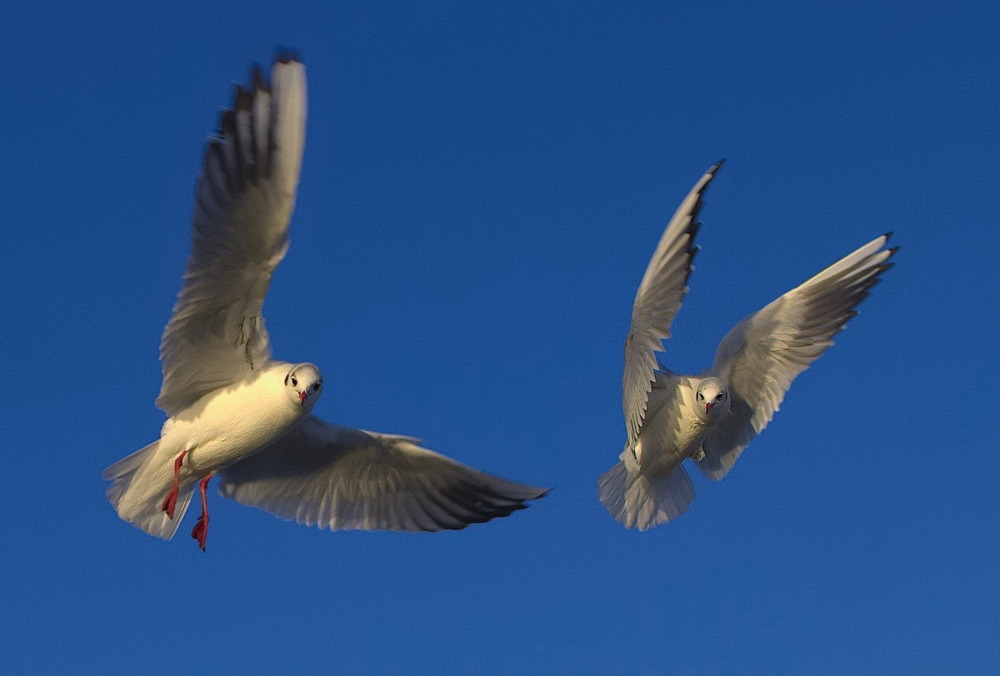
(711, 417)
(235, 412)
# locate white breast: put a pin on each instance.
(228, 425)
(673, 431)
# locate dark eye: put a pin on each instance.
(720, 395)
(700, 396)
(319, 384)
(295, 381)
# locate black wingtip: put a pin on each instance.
(242, 99)
(256, 78)
(287, 55)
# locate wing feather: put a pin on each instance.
(342, 478)
(656, 303)
(761, 356)
(243, 203)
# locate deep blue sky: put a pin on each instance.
(483, 186)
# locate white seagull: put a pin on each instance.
(711, 417)
(234, 411)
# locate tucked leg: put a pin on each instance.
(200, 531)
(170, 502)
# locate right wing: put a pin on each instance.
(342, 478)
(659, 298)
(243, 203)
(761, 356)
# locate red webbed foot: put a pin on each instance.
(170, 502)
(200, 530)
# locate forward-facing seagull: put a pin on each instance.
(234, 411)
(711, 417)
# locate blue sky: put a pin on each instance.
(482, 188)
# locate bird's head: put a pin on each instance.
(712, 400)
(303, 383)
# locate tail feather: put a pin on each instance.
(155, 521)
(143, 508)
(127, 466)
(640, 501)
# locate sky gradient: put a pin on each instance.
(483, 185)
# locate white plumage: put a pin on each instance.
(234, 411)
(713, 416)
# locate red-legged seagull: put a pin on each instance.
(235, 412)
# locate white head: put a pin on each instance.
(303, 383)
(712, 400)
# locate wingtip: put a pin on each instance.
(226, 127)
(692, 253)
(702, 185)
(242, 98)
(256, 78)
(287, 55)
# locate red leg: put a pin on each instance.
(200, 531)
(170, 502)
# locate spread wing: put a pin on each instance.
(243, 203)
(761, 356)
(342, 478)
(659, 298)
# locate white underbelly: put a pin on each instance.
(230, 425)
(663, 444)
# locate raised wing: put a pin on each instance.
(761, 356)
(659, 298)
(243, 203)
(342, 478)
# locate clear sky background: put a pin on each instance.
(483, 186)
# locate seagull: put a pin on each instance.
(711, 417)
(236, 413)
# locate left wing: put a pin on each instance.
(761, 356)
(342, 478)
(656, 303)
(243, 202)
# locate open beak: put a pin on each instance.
(708, 406)
(302, 397)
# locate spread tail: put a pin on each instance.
(640, 501)
(137, 504)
